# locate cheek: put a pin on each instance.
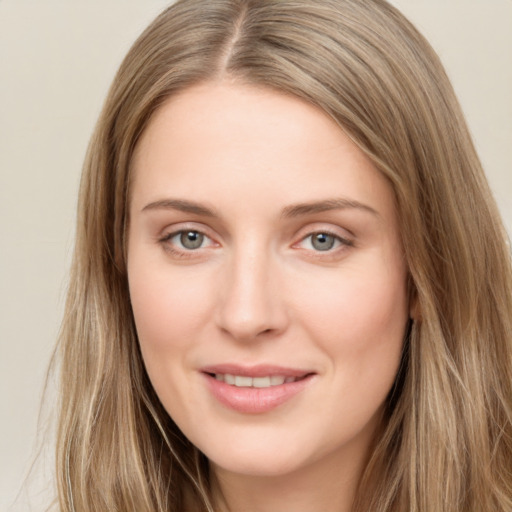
(359, 322)
(361, 329)
(168, 308)
(358, 308)
(169, 311)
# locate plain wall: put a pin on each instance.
(57, 59)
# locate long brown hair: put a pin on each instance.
(447, 442)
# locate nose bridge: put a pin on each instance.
(250, 303)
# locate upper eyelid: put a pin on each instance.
(328, 228)
(172, 233)
(326, 232)
(180, 227)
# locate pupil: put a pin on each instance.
(323, 241)
(191, 239)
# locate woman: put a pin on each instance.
(281, 294)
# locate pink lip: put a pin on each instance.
(261, 370)
(251, 400)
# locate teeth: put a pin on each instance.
(276, 380)
(242, 381)
(261, 382)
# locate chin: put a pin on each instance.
(264, 456)
(271, 467)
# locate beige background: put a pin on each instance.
(56, 61)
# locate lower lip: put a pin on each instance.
(251, 400)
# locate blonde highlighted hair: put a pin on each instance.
(447, 442)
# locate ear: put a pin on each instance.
(414, 303)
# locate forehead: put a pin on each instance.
(214, 139)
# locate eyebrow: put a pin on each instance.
(299, 210)
(180, 205)
(291, 211)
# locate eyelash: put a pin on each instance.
(341, 242)
(184, 252)
(166, 241)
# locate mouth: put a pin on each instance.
(244, 381)
(256, 389)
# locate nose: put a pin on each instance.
(251, 298)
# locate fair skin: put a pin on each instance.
(263, 244)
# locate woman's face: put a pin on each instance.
(267, 279)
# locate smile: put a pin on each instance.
(256, 389)
(243, 381)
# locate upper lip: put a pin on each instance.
(261, 370)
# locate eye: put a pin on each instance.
(323, 241)
(190, 239)
(187, 240)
